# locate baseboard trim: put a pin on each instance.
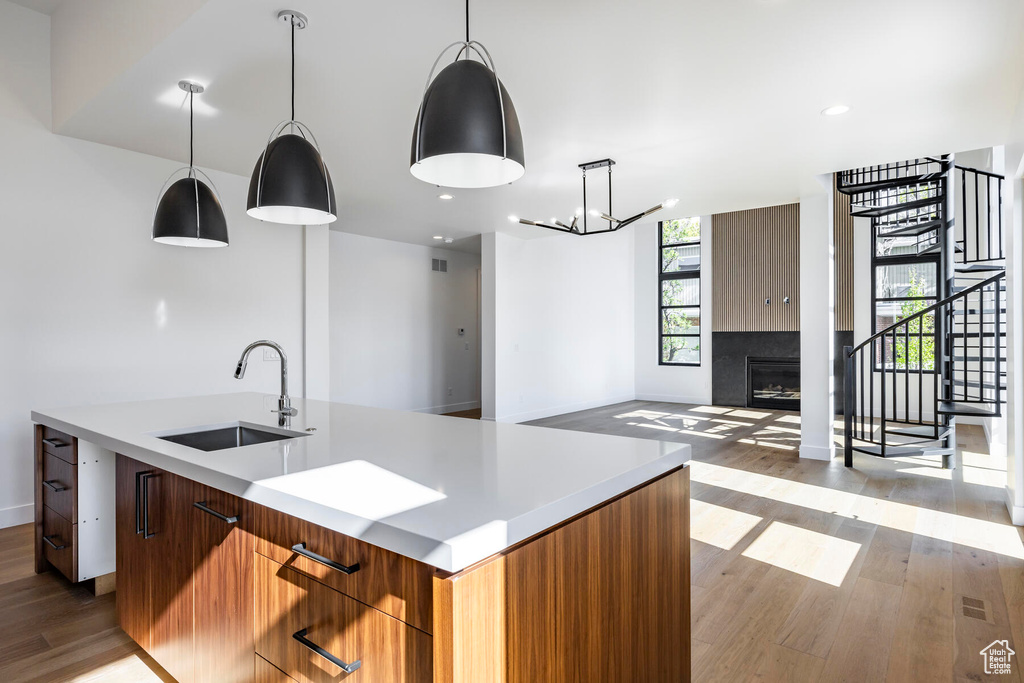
(1016, 511)
(450, 408)
(563, 409)
(670, 398)
(824, 453)
(21, 514)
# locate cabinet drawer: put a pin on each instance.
(268, 673)
(59, 537)
(290, 606)
(59, 479)
(388, 581)
(59, 444)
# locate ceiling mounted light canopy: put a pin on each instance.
(574, 228)
(290, 183)
(467, 132)
(188, 211)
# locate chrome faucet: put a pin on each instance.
(284, 402)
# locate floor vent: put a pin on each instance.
(439, 265)
(974, 608)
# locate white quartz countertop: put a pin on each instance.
(443, 490)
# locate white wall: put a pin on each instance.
(564, 318)
(656, 382)
(91, 309)
(394, 323)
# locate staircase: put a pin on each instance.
(944, 353)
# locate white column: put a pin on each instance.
(1013, 216)
(817, 323)
(488, 318)
(316, 312)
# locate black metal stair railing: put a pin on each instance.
(884, 175)
(888, 375)
(979, 230)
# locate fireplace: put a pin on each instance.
(773, 383)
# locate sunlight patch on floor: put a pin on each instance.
(789, 419)
(714, 410)
(817, 556)
(719, 526)
(768, 444)
(967, 531)
(129, 668)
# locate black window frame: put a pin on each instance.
(901, 260)
(687, 274)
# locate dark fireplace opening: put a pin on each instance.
(773, 383)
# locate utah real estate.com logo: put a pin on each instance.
(997, 657)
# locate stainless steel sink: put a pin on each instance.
(233, 436)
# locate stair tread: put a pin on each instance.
(977, 267)
(879, 210)
(961, 408)
(888, 183)
(912, 230)
(899, 451)
(924, 431)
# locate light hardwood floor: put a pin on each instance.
(801, 570)
(809, 571)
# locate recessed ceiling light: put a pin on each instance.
(445, 197)
(835, 110)
(449, 240)
(438, 237)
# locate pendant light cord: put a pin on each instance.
(191, 131)
(467, 21)
(293, 68)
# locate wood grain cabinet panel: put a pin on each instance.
(222, 576)
(154, 564)
(392, 583)
(60, 537)
(60, 479)
(604, 598)
(268, 673)
(287, 603)
(132, 562)
(59, 444)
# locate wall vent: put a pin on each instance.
(439, 265)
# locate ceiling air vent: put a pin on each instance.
(439, 265)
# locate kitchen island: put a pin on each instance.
(374, 545)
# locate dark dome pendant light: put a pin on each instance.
(188, 212)
(290, 183)
(467, 132)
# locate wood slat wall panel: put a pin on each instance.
(756, 256)
(843, 222)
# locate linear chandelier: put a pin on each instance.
(574, 228)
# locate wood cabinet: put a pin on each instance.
(394, 584)
(316, 634)
(74, 531)
(218, 589)
(154, 596)
(222, 576)
(184, 587)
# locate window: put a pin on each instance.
(679, 291)
(905, 285)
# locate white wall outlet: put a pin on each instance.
(467, 346)
(449, 391)
(270, 354)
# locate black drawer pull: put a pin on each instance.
(146, 476)
(300, 548)
(52, 544)
(138, 500)
(55, 485)
(347, 668)
(55, 443)
(224, 518)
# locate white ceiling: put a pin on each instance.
(716, 103)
